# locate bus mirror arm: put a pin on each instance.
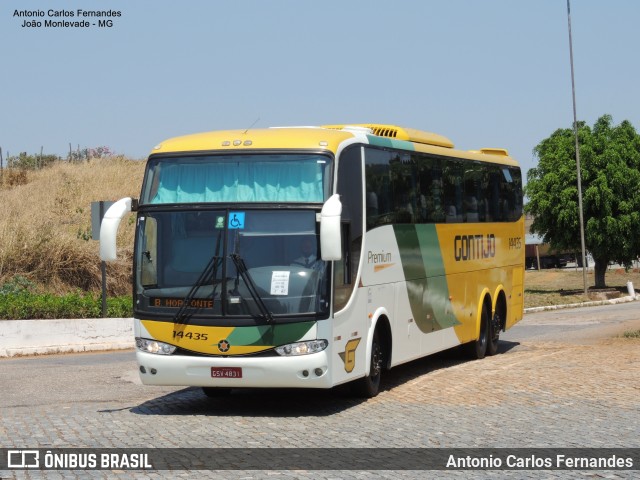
(330, 229)
(109, 227)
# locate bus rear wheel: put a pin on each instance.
(369, 386)
(494, 334)
(478, 348)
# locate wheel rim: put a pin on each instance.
(483, 341)
(495, 327)
(376, 360)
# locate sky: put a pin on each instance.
(490, 73)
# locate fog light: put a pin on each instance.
(153, 371)
(318, 372)
(142, 369)
(305, 373)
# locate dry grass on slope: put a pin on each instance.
(45, 225)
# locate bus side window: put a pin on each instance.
(149, 252)
(372, 208)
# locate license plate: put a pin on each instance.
(226, 372)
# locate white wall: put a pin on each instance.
(33, 337)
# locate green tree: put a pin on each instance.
(610, 170)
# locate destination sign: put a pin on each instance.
(167, 302)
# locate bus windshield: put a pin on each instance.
(230, 263)
(290, 177)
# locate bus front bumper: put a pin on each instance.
(303, 371)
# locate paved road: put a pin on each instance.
(577, 324)
(560, 380)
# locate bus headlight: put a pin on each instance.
(302, 348)
(153, 346)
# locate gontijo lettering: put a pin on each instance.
(474, 247)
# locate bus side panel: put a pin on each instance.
(406, 260)
(516, 312)
(482, 256)
(440, 274)
(406, 334)
(383, 278)
(467, 290)
(348, 341)
(426, 281)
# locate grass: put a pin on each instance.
(72, 305)
(631, 334)
(45, 225)
(566, 285)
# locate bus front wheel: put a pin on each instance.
(216, 392)
(369, 386)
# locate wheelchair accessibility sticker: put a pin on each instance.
(236, 220)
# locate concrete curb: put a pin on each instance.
(613, 301)
(37, 337)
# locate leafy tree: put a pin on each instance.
(610, 169)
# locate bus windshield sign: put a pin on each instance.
(239, 178)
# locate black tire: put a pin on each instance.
(478, 348)
(369, 386)
(216, 392)
(494, 333)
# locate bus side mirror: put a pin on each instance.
(109, 228)
(330, 229)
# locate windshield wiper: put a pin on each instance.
(207, 277)
(253, 291)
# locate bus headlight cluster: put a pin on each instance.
(302, 348)
(153, 346)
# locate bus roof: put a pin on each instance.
(256, 139)
(326, 137)
(399, 133)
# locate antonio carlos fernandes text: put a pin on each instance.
(536, 462)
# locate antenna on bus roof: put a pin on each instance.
(251, 126)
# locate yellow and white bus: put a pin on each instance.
(315, 256)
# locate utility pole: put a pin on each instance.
(575, 131)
